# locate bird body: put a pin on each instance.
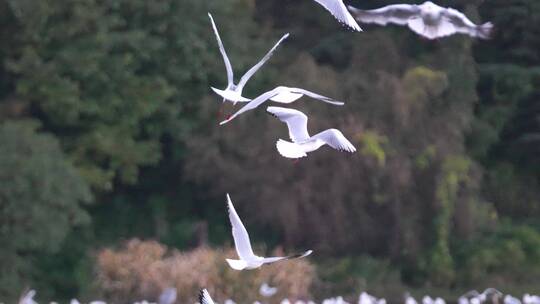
(281, 94)
(427, 19)
(248, 260)
(302, 143)
(233, 92)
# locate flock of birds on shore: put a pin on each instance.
(428, 20)
(488, 296)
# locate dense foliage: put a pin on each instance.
(108, 102)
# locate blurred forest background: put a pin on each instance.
(109, 135)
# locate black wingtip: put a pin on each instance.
(201, 296)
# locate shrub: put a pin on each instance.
(142, 269)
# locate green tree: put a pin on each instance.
(41, 199)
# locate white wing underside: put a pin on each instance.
(335, 139)
(228, 67)
(339, 11)
(240, 235)
(396, 14)
(259, 64)
(296, 122)
(281, 94)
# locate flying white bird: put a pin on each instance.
(339, 11)
(282, 95)
(204, 297)
(302, 143)
(248, 260)
(233, 92)
(266, 291)
(426, 19)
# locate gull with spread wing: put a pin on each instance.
(282, 95)
(339, 11)
(427, 19)
(233, 92)
(302, 143)
(248, 260)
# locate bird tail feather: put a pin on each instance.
(289, 149)
(237, 264)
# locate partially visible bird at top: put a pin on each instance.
(282, 95)
(427, 19)
(233, 92)
(302, 143)
(339, 11)
(248, 260)
(266, 291)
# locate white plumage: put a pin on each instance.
(339, 11)
(281, 94)
(302, 143)
(266, 291)
(427, 19)
(233, 92)
(242, 243)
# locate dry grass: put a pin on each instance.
(142, 269)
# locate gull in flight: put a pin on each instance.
(233, 92)
(248, 260)
(426, 19)
(302, 143)
(266, 291)
(339, 11)
(282, 95)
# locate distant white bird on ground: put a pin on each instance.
(204, 297)
(282, 95)
(248, 260)
(302, 143)
(365, 298)
(531, 299)
(508, 299)
(439, 301)
(285, 301)
(266, 291)
(427, 300)
(74, 301)
(339, 11)
(28, 298)
(229, 301)
(168, 296)
(233, 92)
(463, 300)
(409, 299)
(427, 19)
